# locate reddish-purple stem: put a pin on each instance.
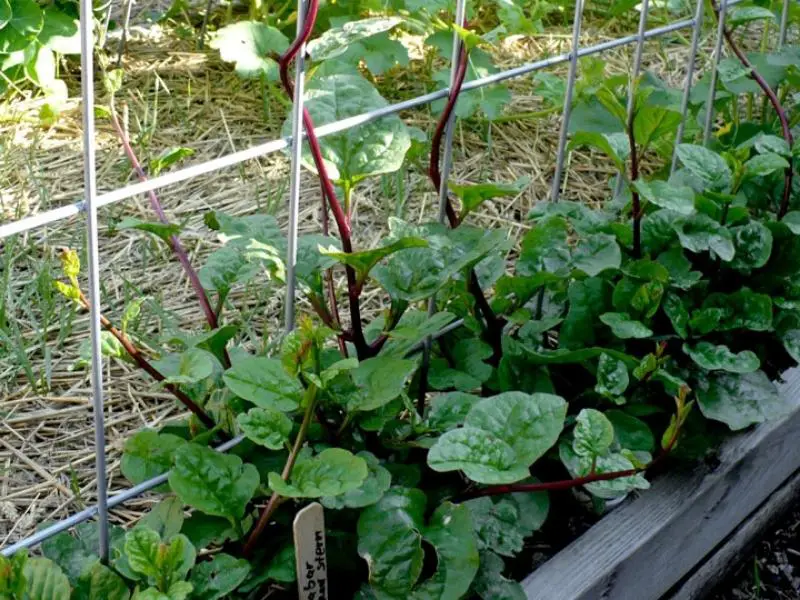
(776, 104)
(635, 200)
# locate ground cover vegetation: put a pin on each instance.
(609, 342)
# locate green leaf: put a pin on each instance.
(186, 368)
(59, 32)
(741, 400)
(163, 231)
(473, 195)
(76, 554)
(100, 583)
(792, 220)
(370, 149)
(709, 167)
(142, 549)
(378, 481)
(45, 580)
(13, 581)
(593, 433)
(206, 530)
(448, 411)
(26, 17)
(677, 314)
(266, 427)
(596, 254)
(490, 584)
(765, 164)
(587, 300)
(631, 433)
(653, 123)
(169, 157)
(612, 376)
(744, 309)
(624, 327)
(414, 326)
(614, 145)
(741, 15)
(753, 243)
(250, 45)
(389, 539)
(148, 454)
(680, 268)
(610, 463)
(544, 247)
(5, 13)
(332, 472)
(363, 262)
(503, 523)
(711, 357)
(380, 380)
(264, 382)
(216, 578)
(335, 42)
(165, 518)
(450, 532)
(502, 436)
(469, 368)
(218, 484)
(700, 233)
(679, 198)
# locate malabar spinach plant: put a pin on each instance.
(605, 341)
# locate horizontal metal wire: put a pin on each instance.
(241, 156)
(146, 486)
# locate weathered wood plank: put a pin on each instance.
(706, 576)
(643, 548)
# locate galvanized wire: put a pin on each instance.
(784, 24)
(712, 90)
(691, 64)
(571, 77)
(295, 172)
(90, 193)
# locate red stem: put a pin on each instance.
(342, 222)
(635, 200)
(177, 247)
(776, 104)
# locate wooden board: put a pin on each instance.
(648, 545)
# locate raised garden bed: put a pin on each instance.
(679, 538)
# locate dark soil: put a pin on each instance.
(773, 571)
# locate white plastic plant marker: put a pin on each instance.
(310, 555)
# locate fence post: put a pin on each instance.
(90, 193)
(573, 72)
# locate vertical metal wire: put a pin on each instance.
(784, 24)
(295, 172)
(712, 90)
(123, 40)
(573, 72)
(687, 87)
(637, 67)
(90, 192)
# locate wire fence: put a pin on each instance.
(93, 200)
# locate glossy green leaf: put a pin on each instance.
(744, 309)
(163, 231)
(502, 523)
(624, 327)
(741, 400)
(266, 427)
(216, 483)
(335, 42)
(765, 164)
(186, 368)
(677, 314)
(100, 583)
(614, 145)
(264, 382)
(791, 342)
(709, 167)
(447, 411)
(711, 357)
(544, 247)
(216, 578)
(250, 45)
(502, 436)
(168, 157)
(5, 13)
(741, 15)
(75, 552)
(45, 580)
(679, 198)
(700, 233)
(165, 518)
(631, 433)
(473, 195)
(13, 582)
(610, 463)
(26, 17)
(205, 530)
(612, 376)
(378, 481)
(332, 472)
(593, 433)
(380, 380)
(587, 300)
(597, 253)
(792, 220)
(490, 584)
(653, 123)
(372, 148)
(148, 454)
(364, 261)
(680, 269)
(413, 328)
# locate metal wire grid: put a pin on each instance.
(92, 200)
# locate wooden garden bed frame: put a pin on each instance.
(678, 539)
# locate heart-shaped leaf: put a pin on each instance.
(679, 198)
(264, 382)
(624, 327)
(711, 357)
(266, 427)
(332, 472)
(741, 400)
(250, 45)
(335, 42)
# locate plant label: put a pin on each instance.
(309, 549)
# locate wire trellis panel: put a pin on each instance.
(93, 200)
